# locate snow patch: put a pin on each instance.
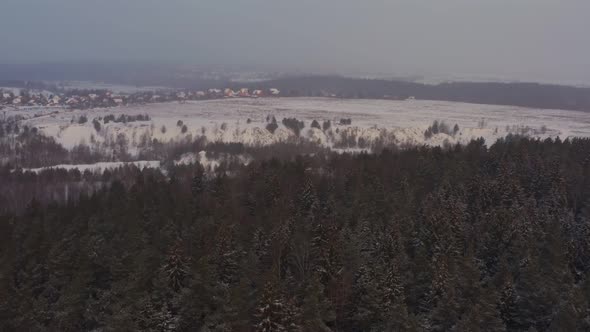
(98, 167)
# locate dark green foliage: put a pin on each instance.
(96, 125)
(124, 118)
(293, 124)
(424, 239)
(315, 124)
(272, 124)
(440, 127)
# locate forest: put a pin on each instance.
(515, 94)
(464, 238)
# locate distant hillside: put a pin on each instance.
(515, 94)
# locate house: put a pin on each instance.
(200, 94)
(16, 100)
(118, 101)
(229, 93)
(181, 95)
(257, 93)
(244, 92)
(274, 92)
(93, 96)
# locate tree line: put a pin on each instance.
(514, 94)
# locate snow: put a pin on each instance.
(226, 120)
(99, 167)
(191, 158)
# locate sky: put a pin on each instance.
(542, 40)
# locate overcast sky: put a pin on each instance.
(546, 40)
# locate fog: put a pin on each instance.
(543, 40)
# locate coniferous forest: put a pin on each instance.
(466, 238)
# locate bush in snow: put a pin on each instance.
(315, 124)
(272, 125)
(96, 124)
(294, 124)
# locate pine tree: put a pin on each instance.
(275, 312)
(316, 309)
(197, 185)
(176, 267)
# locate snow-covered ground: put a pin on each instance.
(244, 120)
(99, 167)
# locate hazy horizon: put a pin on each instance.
(534, 40)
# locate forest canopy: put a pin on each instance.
(468, 238)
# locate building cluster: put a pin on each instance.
(85, 99)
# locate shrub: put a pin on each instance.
(326, 125)
(96, 124)
(482, 123)
(439, 128)
(82, 119)
(272, 126)
(109, 118)
(184, 129)
(315, 124)
(345, 121)
(294, 124)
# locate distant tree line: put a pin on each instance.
(516, 94)
(124, 118)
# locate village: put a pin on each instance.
(88, 99)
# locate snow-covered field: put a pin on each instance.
(99, 167)
(244, 120)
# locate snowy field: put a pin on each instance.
(99, 167)
(245, 120)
